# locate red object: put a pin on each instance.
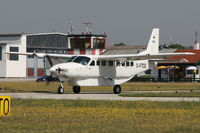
(93, 51)
(100, 51)
(30, 72)
(40, 72)
(70, 51)
(105, 42)
(82, 51)
(190, 58)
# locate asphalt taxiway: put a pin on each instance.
(95, 96)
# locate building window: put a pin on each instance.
(14, 56)
(99, 43)
(0, 52)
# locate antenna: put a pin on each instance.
(72, 27)
(53, 23)
(196, 38)
(170, 40)
(88, 24)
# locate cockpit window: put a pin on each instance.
(82, 60)
(71, 59)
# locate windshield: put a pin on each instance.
(82, 60)
(71, 59)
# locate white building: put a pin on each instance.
(13, 65)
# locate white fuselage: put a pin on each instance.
(99, 72)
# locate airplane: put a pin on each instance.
(104, 70)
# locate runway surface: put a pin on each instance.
(94, 96)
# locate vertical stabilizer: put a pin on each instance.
(153, 45)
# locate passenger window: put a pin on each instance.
(131, 63)
(103, 63)
(110, 63)
(117, 63)
(92, 63)
(98, 63)
(123, 64)
(127, 64)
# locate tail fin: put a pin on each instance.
(153, 45)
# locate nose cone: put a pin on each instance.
(53, 69)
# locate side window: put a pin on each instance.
(132, 63)
(123, 64)
(127, 64)
(14, 57)
(98, 63)
(92, 63)
(110, 63)
(103, 63)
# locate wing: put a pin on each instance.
(141, 57)
(43, 55)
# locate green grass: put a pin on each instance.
(179, 94)
(129, 86)
(101, 116)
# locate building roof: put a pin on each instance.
(87, 35)
(126, 47)
(190, 58)
(10, 35)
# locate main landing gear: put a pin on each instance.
(76, 89)
(116, 89)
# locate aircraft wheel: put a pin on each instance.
(76, 89)
(117, 89)
(60, 89)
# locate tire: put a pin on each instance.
(117, 89)
(60, 89)
(76, 89)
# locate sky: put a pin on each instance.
(127, 21)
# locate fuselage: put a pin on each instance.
(89, 71)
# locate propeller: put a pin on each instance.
(59, 69)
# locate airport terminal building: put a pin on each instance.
(13, 65)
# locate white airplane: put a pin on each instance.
(104, 70)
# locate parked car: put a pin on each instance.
(47, 78)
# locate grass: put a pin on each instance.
(129, 86)
(179, 94)
(101, 116)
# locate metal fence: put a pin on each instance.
(165, 80)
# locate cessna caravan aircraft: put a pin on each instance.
(104, 70)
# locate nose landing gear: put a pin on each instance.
(60, 89)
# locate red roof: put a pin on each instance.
(190, 58)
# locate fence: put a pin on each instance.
(165, 80)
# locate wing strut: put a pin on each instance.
(50, 61)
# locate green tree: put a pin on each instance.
(176, 46)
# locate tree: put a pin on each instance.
(176, 46)
(120, 44)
